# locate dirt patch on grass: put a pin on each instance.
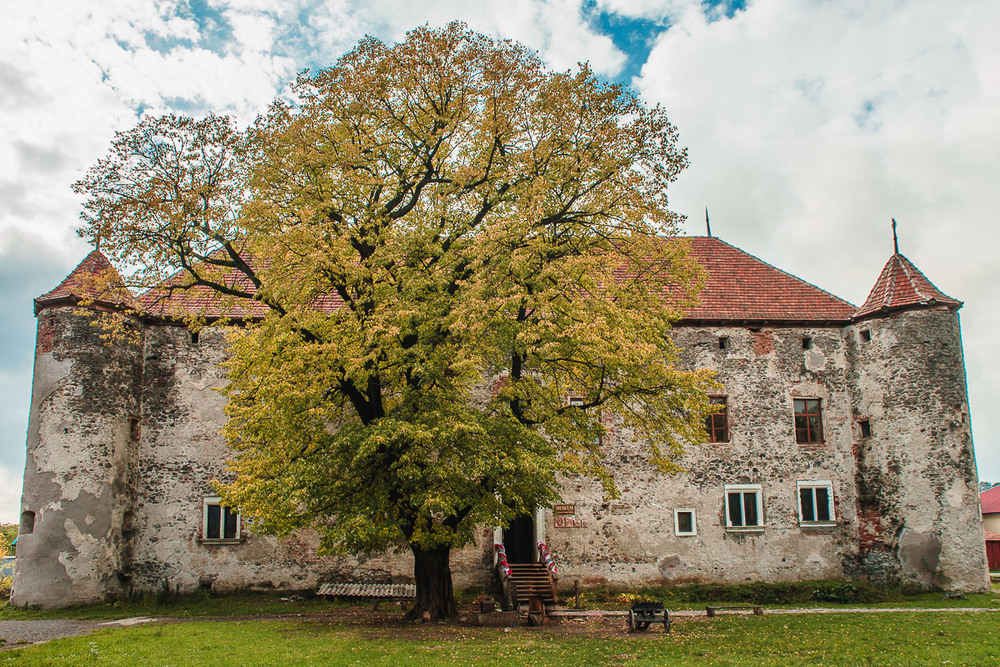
(380, 625)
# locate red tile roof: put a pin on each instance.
(203, 301)
(94, 279)
(901, 286)
(990, 500)
(739, 287)
(742, 287)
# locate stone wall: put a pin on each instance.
(124, 444)
(631, 540)
(918, 497)
(81, 449)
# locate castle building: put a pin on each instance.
(843, 450)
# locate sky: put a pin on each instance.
(809, 124)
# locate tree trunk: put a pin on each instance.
(432, 571)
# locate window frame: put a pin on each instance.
(710, 420)
(677, 522)
(742, 490)
(215, 501)
(813, 485)
(810, 432)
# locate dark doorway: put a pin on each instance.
(519, 540)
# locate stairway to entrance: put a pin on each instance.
(532, 579)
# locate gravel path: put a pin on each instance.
(19, 633)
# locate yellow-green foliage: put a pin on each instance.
(494, 233)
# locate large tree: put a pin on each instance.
(443, 242)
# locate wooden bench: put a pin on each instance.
(756, 610)
(401, 593)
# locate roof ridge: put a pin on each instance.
(782, 271)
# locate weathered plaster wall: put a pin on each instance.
(182, 451)
(631, 539)
(81, 446)
(124, 443)
(918, 497)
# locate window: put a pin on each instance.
(808, 421)
(866, 428)
(866, 335)
(717, 424)
(744, 508)
(807, 342)
(219, 523)
(684, 523)
(27, 523)
(816, 504)
(723, 342)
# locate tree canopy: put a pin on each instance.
(444, 242)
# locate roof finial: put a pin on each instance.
(895, 239)
(708, 227)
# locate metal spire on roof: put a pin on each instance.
(895, 239)
(708, 227)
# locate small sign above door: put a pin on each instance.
(564, 510)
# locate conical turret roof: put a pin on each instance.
(94, 279)
(902, 286)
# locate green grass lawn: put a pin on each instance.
(901, 638)
(772, 596)
(198, 605)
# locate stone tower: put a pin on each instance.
(83, 429)
(917, 490)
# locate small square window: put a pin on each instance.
(717, 423)
(219, 523)
(866, 428)
(807, 342)
(808, 421)
(723, 342)
(866, 335)
(816, 503)
(684, 523)
(744, 507)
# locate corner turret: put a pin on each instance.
(78, 498)
(902, 286)
(917, 485)
(94, 281)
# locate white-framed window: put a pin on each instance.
(218, 522)
(684, 522)
(815, 503)
(744, 507)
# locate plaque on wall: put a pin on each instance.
(564, 510)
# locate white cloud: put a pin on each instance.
(810, 124)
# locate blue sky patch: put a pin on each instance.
(634, 37)
(213, 27)
(720, 9)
